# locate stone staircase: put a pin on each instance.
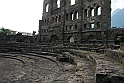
(92, 66)
(84, 69)
(105, 68)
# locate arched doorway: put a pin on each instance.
(71, 39)
(53, 39)
(91, 39)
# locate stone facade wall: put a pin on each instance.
(2, 39)
(87, 21)
(113, 34)
(77, 20)
(15, 38)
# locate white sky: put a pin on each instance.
(21, 15)
(24, 15)
(117, 4)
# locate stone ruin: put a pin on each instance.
(76, 42)
(84, 21)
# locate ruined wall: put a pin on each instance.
(113, 34)
(96, 20)
(82, 20)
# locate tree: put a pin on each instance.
(5, 31)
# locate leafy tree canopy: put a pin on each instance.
(4, 31)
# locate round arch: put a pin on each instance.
(71, 39)
(53, 39)
(91, 39)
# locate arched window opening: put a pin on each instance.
(47, 30)
(45, 21)
(99, 10)
(47, 7)
(53, 39)
(72, 16)
(72, 2)
(53, 20)
(85, 13)
(58, 4)
(98, 24)
(71, 39)
(44, 31)
(76, 15)
(75, 27)
(71, 28)
(66, 16)
(59, 18)
(66, 28)
(92, 12)
(92, 25)
(85, 26)
(48, 21)
(56, 19)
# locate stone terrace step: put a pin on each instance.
(104, 64)
(84, 69)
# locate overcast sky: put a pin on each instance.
(24, 15)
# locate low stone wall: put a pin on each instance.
(116, 55)
(88, 57)
(83, 55)
(73, 54)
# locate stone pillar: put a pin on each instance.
(122, 45)
(103, 38)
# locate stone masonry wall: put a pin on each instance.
(85, 20)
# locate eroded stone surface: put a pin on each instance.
(38, 70)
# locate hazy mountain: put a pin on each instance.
(118, 18)
(117, 10)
